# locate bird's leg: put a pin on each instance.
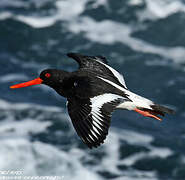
(148, 113)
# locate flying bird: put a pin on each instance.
(93, 92)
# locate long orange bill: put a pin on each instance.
(148, 114)
(29, 83)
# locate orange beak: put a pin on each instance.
(29, 83)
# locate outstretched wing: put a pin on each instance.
(91, 117)
(98, 65)
(86, 61)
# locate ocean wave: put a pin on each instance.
(13, 77)
(106, 32)
(42, 159)
(40, 139)
(5, 105)
(110, 32)
(10, 3)
(160, 9)
(153, 10)
(36, 157)
(62, 13)
(22, 128)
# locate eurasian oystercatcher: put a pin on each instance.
(93, 92)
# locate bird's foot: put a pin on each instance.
(148, 113)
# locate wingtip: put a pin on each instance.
(72, 54)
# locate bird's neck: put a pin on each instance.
(60, 86)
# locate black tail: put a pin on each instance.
(161, 109)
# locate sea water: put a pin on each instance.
(143, 39)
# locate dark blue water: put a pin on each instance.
(142, 39)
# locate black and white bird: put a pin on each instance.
(93, 92)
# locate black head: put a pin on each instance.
(50, 77)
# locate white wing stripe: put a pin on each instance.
(97, 125)
(94, 134)
(91, 137)
(136, 99)
(118, 76)
(98, 101)
(95, 129)
(113, 84)
(96, 104)
(97, 115)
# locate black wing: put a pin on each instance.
(99, 66)
(87, 61)
(91, 117)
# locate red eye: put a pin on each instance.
(47, 75)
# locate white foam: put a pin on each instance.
(38, 4)
(164, 8)
(111, 160)
(135, 2)
(37, 158)
(5, 15)
(160, 152)
(158, 62)
(135, 138)
(98, 3)
(13, 77)
(134, 176)
(132, 137)
(129, 161)
(66, 10)
(42, 159)
(139, 175)
(110, 32)
(158, 9)
(22, 4)
(22, 106)
(37, 22)
(14, 3)
(107, 31)
(32, 123)
(23, 128)
(153, 152)
(154, 9)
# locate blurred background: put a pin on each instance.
(142, 39)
